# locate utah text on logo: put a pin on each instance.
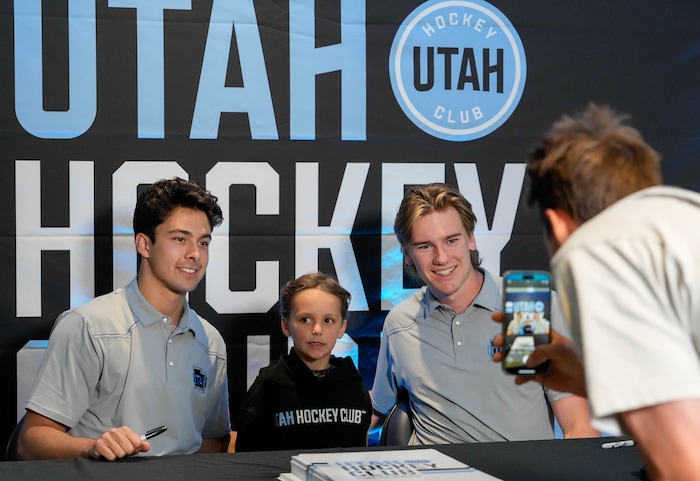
(457, 68)
(199, 377)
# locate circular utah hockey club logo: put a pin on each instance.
(457, 68)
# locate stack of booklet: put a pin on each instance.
(385, 465)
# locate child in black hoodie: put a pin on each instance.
(307, 399)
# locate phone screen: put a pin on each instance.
(527, 308)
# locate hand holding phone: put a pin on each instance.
(527, 304)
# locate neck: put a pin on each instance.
(314, 364)
(465, 296)
(166, 302)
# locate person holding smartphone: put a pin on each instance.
(625, 257)
(435, 345)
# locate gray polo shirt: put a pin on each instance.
(114, 361)
(457, 394)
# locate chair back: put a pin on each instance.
(11, 453)
(398, 425)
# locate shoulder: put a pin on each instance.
(557, 316)
(344, 368)
(206, 335)
(404, 314)
(661, 195)
(209, 329)
(490, 296)
(279, 371)
(107, 311)
(96, 305)
(278, 365)
(259, 393)
(648, 216)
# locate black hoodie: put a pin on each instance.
(287, 407)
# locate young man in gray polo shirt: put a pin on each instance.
(434, 344)
(139, 357)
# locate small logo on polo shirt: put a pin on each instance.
(200, 379)
(491, 349)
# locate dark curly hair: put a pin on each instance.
(159, 200)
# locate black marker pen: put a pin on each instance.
(151, 433)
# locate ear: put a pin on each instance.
(143, 244)
(561, 226)
(285, 327)
(407, 257)
(472, 242)
(341, 332)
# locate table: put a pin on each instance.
(556, 460)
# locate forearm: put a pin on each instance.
(215, 445)
(43, 442)
(376, 421)
(667, 436)
(574, 417)
(580, 429)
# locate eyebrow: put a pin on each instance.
(188, 233)
(309, 314)
(450, 236)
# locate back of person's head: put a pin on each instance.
(422, 200)
(159, 200)
(316, 280)
(588, 161)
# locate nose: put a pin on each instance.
(317, 329)
(193, 252)
(440, 256)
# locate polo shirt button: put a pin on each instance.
(165, 319)
(170, 341)
(171, 363)
(459, 343)
(457, 322)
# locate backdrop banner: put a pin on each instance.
(308, 120)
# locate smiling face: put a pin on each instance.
(440, 251)
(315, 323)
(175, 263)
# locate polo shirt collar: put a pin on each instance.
(488, 298)
(147, 314)
(490, 295)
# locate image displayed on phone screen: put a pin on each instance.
(527, 307)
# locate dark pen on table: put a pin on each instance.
(151, 433)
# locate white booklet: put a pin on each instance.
(288, 477)
(385, 465)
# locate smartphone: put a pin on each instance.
(527, 302)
